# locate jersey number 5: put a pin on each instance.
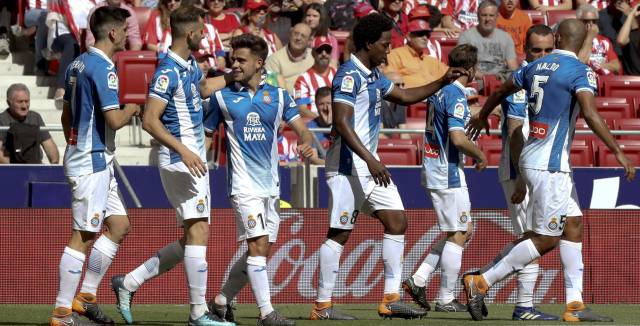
(537, 93)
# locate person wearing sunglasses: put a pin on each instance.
(320, 75)
(392, 9)
(598, 51)
(254, 21)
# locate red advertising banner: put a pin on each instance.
(32, 240)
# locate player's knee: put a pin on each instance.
(545, 243)
(338, 235)
(119, 231)
(457, 237)
(197, 232)
(573, 229)
(258, 246)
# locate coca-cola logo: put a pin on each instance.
(538, 129)
(431, 150)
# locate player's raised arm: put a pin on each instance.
(210, 85)
(417, 94)
(594, 120)
(479, 121)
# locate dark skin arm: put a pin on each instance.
(413, 95)
(480, 120)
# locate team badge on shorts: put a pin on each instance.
(553, 225)
(251, 222)
(266, 98)
(200, 206)
(344, 218)
(464, 218)
(95, 220)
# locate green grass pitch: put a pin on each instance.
(165, 315)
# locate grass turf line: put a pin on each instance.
(246, 314)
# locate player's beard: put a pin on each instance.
(193, 45)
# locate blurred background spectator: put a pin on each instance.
(315, 15)
(134, 42)
(225, 24)
(320, 75)
(515, 22)
(393, 10)
(550, 5)
(254, 21)
(157, 35)
(629, 40)
(277, 23)
(598, 51)
(293, 59)
(611, 19)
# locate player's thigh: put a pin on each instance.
(188, 195)
(549, 195)
(573, 208)
(346, 195)
(251, 214)
(115, 202)
(273, 218)
(452, 208)
(89, 200)
(520, 221)
(381, 198)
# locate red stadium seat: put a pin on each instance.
(135, 71)
(398, 154)
(581, 124)
(341, 37)
(622, 86)
(631, 149)
(142, 14)
(491, 83)
(582, 153)
(614, 111)
(394, 142)
(418, 110)
(629, 124)
(537, 17)
(492, 149)
(556, 16)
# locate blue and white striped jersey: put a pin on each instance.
(443, 163)
(177, 83)
(551, 83)
(251, 124)
(363, 89)
(91, 88)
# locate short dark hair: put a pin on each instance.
(463, 56)
(369, 29)
(183, 17)
(257, 45)
(322, 92)
(104, 18)
(538, 29)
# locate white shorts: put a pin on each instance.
(520, 220)
(256, 216)
(552, 198)
(452, 207)
(349, 195)
(95, 197)
(189, 195)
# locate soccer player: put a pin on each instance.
(173, 116)
(554, 83)
(91, 115)
(252, 111)
(357, 180)
(443, 176)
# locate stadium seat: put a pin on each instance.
(492, 149)
(622, 86)
(615, 111)
(581, 153)
(418, 110)
(135, 71)
(537, 17)
(581, 124)
(629, 124)
(341, 37)
(142, 14)
(556, 16)
(631, 149)
(446, 44)
(491, 83)
(398, 154)
(394, 142)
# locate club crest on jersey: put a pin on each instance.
(253, 130)
(538, 129)
(266, 98)
(431, 150)
(520, 96)
(458, 111)
(347, 84)
(251, 222)
(553, 225)
(162, 84)
(95, 220)
(464, 218)
(200, 206)
(112, 80)
(344, 217)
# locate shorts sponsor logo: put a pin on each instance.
(431, 150)
(162, 84)
(200, 206)
(464, 217)
(344, 218)
(553, 225)
(251, 222)
(112, 80)
(347, 84)
(95, 220)
(538, 129)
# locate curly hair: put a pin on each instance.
(255, 44)
(369, 29)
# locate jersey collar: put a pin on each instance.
(263, 82)
(460, 86)
(100, 53)
(181, 62)
(565, 52)
(360, 65)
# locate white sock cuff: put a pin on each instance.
(395, 237)
(106, 246)
(533, 251)
(567, 243)
(450, 246)
(334, 245)
(195, 251)
(257, 261)
(530, 268)
(74, 253)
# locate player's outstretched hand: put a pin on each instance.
(196, 167)
(379, 172)
(305, 150)
(453, 74)
(519, 192)
(481, 163)
(133, 108)
(629, 170)
(475, 126)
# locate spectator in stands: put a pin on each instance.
(35, 23)
(5, 24)
(157, 35)
(277, 23)
(612, 18)
(515, 22)
(254, 21)
(437, 9)
(550, 5)
(225, 24)
(598, 51)
(414, 66)
(465, 13)
(145, 3)
(134, 42)
(496, 52)
(315, 15)
(629, 40)
(21, 144)
(293, 59)
(433, 17)
(600, 4)
(65, 25)
(320, 75)
(393, 10)
(342, 13)
(324, 119)
(394, 115)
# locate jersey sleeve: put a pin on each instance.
(106, 83)
(345, 88)
(457, 112)
(212, 114)
(516, 105)
(290, 111)
(518, 77)
(384, 84)
(163, 84)
(68, 91)
(585, 80)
